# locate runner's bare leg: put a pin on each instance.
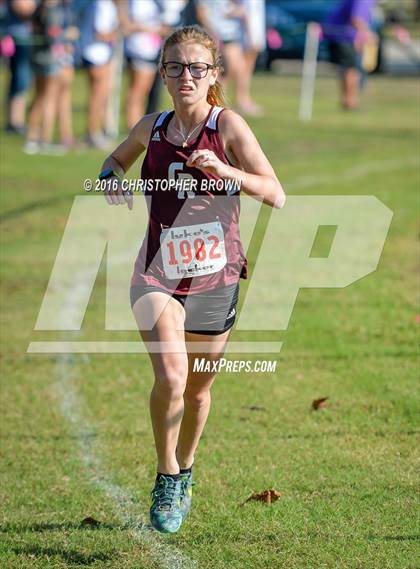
(197, 398)
(170, 370)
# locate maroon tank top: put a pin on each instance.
(192, 242)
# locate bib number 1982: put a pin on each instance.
(193, 250)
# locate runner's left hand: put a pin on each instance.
(207, 161)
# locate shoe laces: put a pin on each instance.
(165, 493)
(185, 482)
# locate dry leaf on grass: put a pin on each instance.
(267, 497)
(319, 403)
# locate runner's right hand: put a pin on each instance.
(115, 195)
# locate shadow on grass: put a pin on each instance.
(131, 434)
(69, 556)
(123, 434)
(415, 537)
(89, 524)
(19, 528)
(11, 214)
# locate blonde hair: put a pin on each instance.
(196, 34)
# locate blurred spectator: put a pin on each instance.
(348, 29)
(47, 52)
(225, 21)
(189, 14)
(171, 17)
(172, 12)
(143, 26)
(253, 42)
(18, 28)
(98, 24)
(64, 105)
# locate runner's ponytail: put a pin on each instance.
(215, 95)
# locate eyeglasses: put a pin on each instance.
(197, 70)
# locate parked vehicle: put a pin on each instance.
(286, 22)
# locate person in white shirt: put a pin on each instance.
(224, 20)
(98, 33)
(143, 26)
(253, 42)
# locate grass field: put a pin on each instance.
(76, 439)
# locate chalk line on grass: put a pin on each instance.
(166, 556)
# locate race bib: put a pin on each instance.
(193, 250)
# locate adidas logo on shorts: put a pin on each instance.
(156, 137)
(231, 314)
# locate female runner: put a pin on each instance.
(184, 287)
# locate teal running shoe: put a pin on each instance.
(186, 493)
(165, 511)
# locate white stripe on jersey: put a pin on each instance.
(212, 122)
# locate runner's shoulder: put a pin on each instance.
(231, 123)
(142, 130)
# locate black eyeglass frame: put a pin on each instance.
(188, 65)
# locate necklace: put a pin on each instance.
(189, 134)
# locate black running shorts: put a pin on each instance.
(211, 312)
(343, 54)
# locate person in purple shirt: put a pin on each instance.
(348, 28)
